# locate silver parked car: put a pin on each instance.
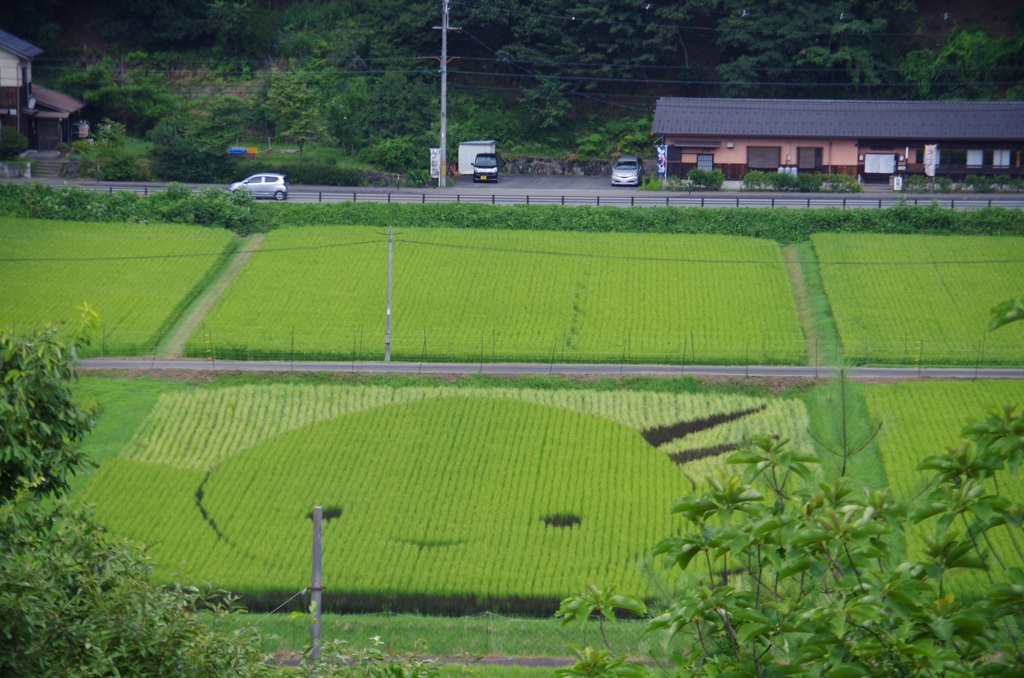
(264, 186)
(628, 170)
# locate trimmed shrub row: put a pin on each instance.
(711, 180)
(211, 207)
(239, 213)
(805, 183)
(783, 226)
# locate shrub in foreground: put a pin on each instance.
(783, 572)
(211, 207)
(710, 180)
(75, 601)
(12, 143)
(804, 182)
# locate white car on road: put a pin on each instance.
(264, 186)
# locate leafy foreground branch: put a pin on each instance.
(77, 601)
(786, 574)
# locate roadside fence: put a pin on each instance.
(750, 201)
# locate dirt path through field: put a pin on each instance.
(175, 346)
(791, 256)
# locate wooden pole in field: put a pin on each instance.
(316, 587)
(387, 319)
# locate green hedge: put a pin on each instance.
(781, 225)
(708, 179)
(976, 184)
(814, 182)
(212, 207)
(239, 213)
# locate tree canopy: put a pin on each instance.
(41, 425)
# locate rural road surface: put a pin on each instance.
(532, 189)
(583, 370)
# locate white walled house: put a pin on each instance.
(873, 140)
(44, 116)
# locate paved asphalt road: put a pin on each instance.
(540, 189)
(605, 370)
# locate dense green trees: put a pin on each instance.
(74, 600)
(40, 422)
(131, 90)
(967, 64)
(296, 109)
(540, 77)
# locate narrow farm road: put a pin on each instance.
(175, 346)
(791, 256)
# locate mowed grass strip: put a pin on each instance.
(495, 296)
(921, 300)
(919, 420)
(439, 499)
(137, 276)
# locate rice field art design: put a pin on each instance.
(439, 500)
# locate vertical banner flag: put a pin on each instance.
(662, 161)
(930, 153)
(435, 163)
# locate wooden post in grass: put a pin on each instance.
(387, 320)
(316, 588)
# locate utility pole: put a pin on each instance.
(443, 174)
(387, 319)
(316, 587)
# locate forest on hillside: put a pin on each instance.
(541, 77)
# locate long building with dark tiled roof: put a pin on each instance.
(875, 140)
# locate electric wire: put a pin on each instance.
(524, 251)
(253, 625)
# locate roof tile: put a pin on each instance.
(938, 120)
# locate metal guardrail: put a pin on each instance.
(749, 202)
(674, 200)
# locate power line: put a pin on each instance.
(542, 78)
(540, 252)
(141, 257)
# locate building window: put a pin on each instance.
(879, 163)
(1001, 158)
(975, 157)
(764, 157)
(952, 156)
(705, 161)
(808, 158)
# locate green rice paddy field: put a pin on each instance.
(911, 300)
(453, 497)
(139, 276)
(460, 497)
(450, 499)
(489, 296)
(493, 296)
(441, 480)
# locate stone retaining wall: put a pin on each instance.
(557, 167)
(10, 170)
